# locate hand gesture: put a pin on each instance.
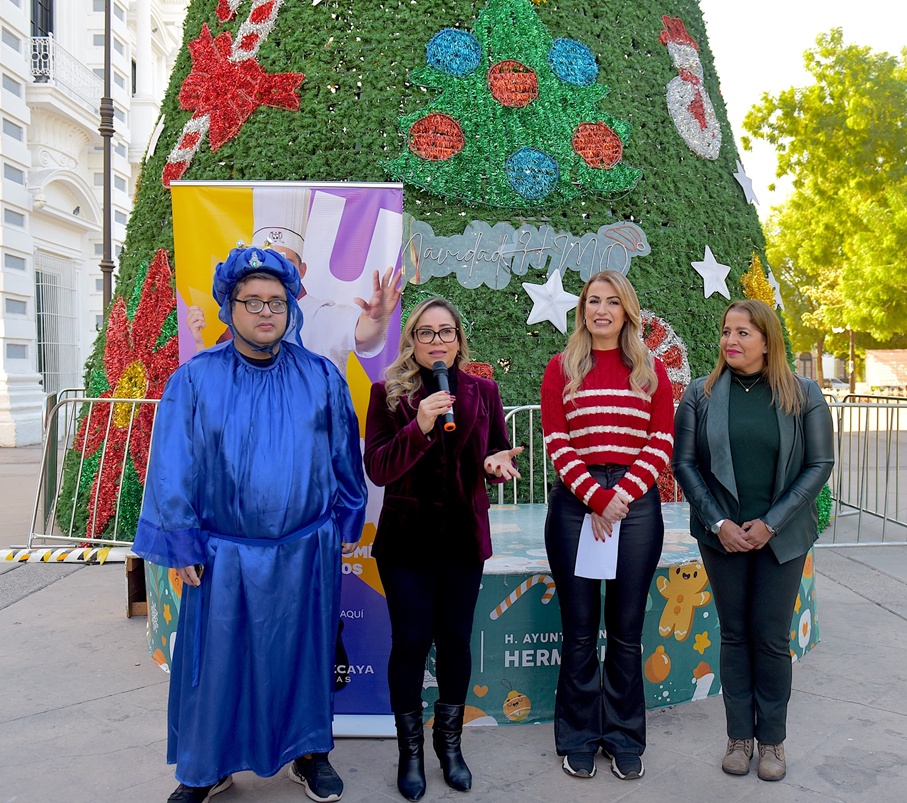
(189, 575)
(195, 320)
(346, 549)
(501, 463)
(756, 533)
(603, 525)
(431, 407)
(733, 537)
(386, 294)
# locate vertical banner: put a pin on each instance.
(341, 236)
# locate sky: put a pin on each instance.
(759, 48)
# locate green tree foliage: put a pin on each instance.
(838, 240)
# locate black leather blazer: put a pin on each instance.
(703, 466)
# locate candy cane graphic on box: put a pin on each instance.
(689, 103)
(223, 90)
(522, 589)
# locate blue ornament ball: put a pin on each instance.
(573, 62)
(454, 51)
(532, 173)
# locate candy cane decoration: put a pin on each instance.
(251, 34)
(522, 589)
(65, 555)
(664, 343)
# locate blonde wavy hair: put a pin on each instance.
(786, 392)
(577, 359)
(402, 374)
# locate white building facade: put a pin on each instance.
(51, 186)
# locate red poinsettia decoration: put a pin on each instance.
(135, 369)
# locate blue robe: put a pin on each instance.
(256, 473)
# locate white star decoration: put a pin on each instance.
(550, 302)
(746, 182)
(773, 282)
(713, 275)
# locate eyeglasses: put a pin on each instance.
(446, 335)
(255, 305)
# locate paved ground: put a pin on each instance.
(82, 716)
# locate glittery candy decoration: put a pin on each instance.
(688, 102)
(436, 137)
(226, 10)
(573, 62)
(518, 116)
(136, 366)
(666, 345)
(513, 84)
(227, 84)
(755, 283)
(454, 52)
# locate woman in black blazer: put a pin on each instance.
(433, 534)
(753, 449)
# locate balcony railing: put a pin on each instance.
(50, 62)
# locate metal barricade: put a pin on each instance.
(66, 503)
(525, 425)
(866, 483)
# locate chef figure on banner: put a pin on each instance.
(331, 329)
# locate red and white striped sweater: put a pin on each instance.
(607, 423)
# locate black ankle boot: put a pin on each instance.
(411, 769)
(446, 739)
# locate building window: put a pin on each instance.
(12, 86)
(135, 76)
(12, 130)
(14, 174)
(119, 80)
(120, 150)
(119, 46)
(42, 17)
(98, 41)
(16, 351)
(13, 262)
(99, 322)
(99, 285)
(56, 305)
(15, 307)
(120, 217)
(119, 183)
(12, 218)
(98, 179)
(99, 71)
(119, 114)
(11, 40)
(97, 6)
(99, 249)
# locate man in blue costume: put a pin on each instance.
(255, 481)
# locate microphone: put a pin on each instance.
(439, 369)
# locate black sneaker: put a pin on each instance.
(626, 766)
(199, 794)
(580, 765)
(318, 777)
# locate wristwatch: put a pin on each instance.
(771, 530)
(717, 526)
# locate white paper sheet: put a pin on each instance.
(596, 560)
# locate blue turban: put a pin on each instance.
(243, 261)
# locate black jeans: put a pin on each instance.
(428, 603)
(594, 707)
(754, 597)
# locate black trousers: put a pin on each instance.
(431, 603)
(606, 706)
(754, 597)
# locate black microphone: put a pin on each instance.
(439, 369)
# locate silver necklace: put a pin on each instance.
(747, 388)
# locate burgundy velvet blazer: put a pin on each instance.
(409, 464)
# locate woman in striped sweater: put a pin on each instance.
(607, 415)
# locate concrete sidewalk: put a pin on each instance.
(83, 711)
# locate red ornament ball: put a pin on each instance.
(436, 137)
(598, 145)
(513, 84)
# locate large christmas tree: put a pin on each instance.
(567, 136)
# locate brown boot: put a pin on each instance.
(772, 766)
(737, 758)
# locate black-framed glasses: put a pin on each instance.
(255, 305)
(446, 335)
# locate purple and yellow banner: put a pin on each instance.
(339, 235)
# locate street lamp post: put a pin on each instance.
(106, 130)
